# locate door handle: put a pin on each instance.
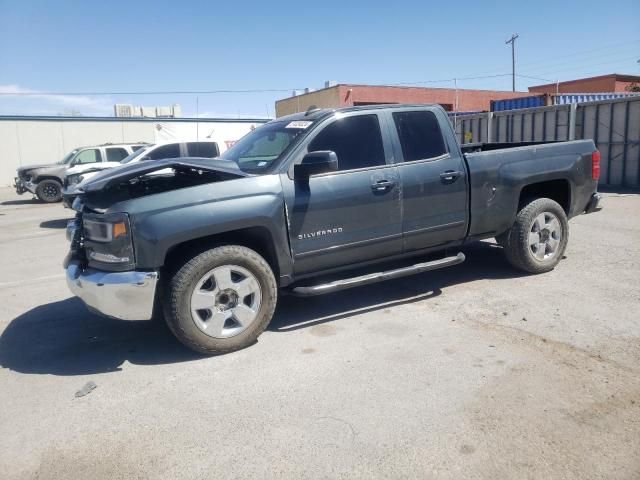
(382, 185)
(449, 176)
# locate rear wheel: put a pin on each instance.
(538, 238)
(221, 300)
(49, 191)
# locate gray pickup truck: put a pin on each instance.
(313, 203)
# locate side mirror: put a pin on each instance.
(316, 162)
(145, 158)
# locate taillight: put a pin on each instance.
(595, 165)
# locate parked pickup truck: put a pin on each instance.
(313, 203)
(45, 181)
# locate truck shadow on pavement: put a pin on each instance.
(57, 223)
(63, 338)
(484, 261)
(30, 201)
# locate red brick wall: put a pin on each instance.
(588, 85)
(604, 83)
(468, 100)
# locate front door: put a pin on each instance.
(350, 215)
(86, 156)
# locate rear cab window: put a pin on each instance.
(115, 154)
(419, 134)
(202, 149)
(171, 150)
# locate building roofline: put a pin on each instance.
(617, 76)
(360, 85)
(132, 119)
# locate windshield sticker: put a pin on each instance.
(299, 124)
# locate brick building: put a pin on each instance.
(614, 82)
(346, 95)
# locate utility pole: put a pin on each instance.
(512, 41)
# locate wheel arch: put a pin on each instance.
(257, 238)
(558, 190)
(42, 178)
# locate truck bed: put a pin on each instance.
(497, 176)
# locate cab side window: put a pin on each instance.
(202, 149)
(90, 155)
(420, 135)
(356, 140)
(172, 150)
(115, 154)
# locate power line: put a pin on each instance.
(573, 69)
(545, 63)
(577, 60)
(578, 53)
(205, 92)
(159, 92)
(447, 80)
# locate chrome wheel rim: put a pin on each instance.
(226, 301)
(545, 236)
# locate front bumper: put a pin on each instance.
(594, 203)
(122, 295)
(68, 198)
(23, 186)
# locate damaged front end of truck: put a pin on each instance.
(101, 261)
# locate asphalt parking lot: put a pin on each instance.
(471, 372)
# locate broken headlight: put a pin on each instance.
(74, 179)
(107, 241)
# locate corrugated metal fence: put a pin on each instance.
(614, 125)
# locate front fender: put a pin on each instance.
(54, 173)
(163, 221)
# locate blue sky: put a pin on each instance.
(131, 46)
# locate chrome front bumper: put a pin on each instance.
(123, 295)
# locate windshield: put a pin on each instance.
(135, 154)
(259, 150)
(67, 158)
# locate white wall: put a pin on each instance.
(30, 141)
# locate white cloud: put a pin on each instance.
(15, 99)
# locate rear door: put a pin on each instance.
(434, 183)
(350, 215)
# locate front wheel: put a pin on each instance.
(49, 191)
(221, 300)
(538, 238)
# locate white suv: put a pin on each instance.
(76, 175)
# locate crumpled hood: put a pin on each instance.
(115, 176)
(37, 166)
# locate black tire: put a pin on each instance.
(49, 191)
(181, 285)
(516, 241)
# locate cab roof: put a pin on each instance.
(319, 113)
